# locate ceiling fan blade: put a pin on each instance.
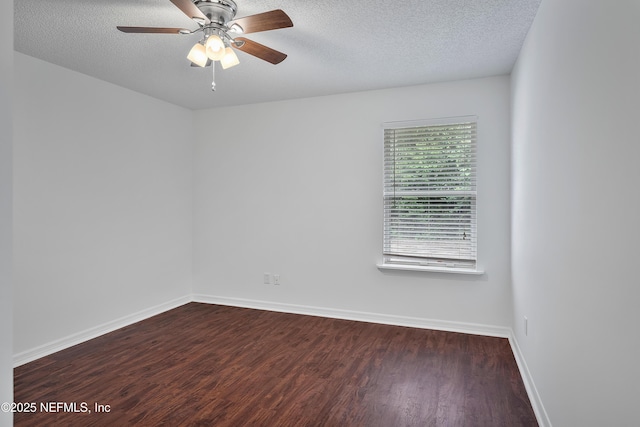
(157, 30)
(258, 50)
(266, 21)
(192, 11)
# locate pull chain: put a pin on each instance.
(213, 75)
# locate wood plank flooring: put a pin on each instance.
(209, 365)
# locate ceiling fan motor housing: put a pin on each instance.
(218, 11)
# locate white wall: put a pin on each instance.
(6, 297)
(294, 188)
(103, 203)
(576, 204)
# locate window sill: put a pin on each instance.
(433, 269)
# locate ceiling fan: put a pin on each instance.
(215, 19)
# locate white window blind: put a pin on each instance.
(430, 193)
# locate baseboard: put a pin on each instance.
(385, 319)
(532, 391)
(77, 338)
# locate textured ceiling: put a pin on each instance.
(334, 46)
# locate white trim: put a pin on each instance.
(534, 397)
(361, 316)
(80, 337)
(430, 122)
(409, 267)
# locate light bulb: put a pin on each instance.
(215, 47)
(229, 59)
(198, 55)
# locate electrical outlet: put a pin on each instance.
(276, 279)
(267, 278)
(526, 326)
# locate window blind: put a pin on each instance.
(430, 194)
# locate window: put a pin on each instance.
(430, 194)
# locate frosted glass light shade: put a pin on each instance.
(229, 59)
(215, 47)
(198, 55)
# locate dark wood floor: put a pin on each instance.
(222, 366)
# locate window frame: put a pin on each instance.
(421, 262)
